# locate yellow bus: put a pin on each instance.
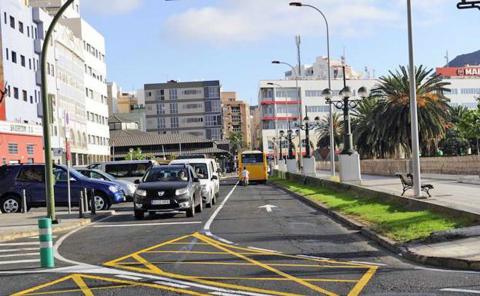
(256, 164)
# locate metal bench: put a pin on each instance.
(407, 183)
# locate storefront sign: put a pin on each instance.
(459, 71)
(20, 128)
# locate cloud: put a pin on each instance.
(238, 21)
(111, 6)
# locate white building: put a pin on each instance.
(318, 70)
(280, 105)
(464, 84)
(20, 63)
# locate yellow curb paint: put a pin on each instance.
(363, 281)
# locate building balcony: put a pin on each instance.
(281, 102)
(273, 118)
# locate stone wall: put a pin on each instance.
(461, 165)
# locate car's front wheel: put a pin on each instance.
(139, 215)
(11, 204)
(101, 202)
(191, 210)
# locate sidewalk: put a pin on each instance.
(15, 226)
(457, 249)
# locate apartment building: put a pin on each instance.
(184, 108)
(236, 117)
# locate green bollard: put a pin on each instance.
(46, 244)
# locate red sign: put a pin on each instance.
(459, 71)
(69, 151)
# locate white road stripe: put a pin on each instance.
(19, 244)
(266, 250)
(145, 224)
(129, 277)
(18, 250)
(19, 261)
(172, 285)
(19, 255)
(224, 294)
(214, 215)
(368, 263)
(460, 291)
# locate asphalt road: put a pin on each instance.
(257, 241)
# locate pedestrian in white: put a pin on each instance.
(245, 176)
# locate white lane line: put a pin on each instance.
(265, 250)
(19, 244)
(18, 250)
(172, 285)
(368, 263)
(19, 255)
(147, 224)
(313, 257)
(224, 294)
(208, 233)
(460, 291)
(19, 261)
(129, 277)
(220, 207)
(446, 270)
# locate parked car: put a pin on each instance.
(168, 188)
(31, 178)
(206, 170)
(129, 170)
(127, 186)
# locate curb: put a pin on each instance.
(55, 229)
(391, 245)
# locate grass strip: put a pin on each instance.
(388, 218)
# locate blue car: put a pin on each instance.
(31, 178)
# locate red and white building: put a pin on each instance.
(464, 84)
(20, 143)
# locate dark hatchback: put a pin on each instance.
(31, 178)
(169, 188)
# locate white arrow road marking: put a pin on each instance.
(460, 291)
(268, 208)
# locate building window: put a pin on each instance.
(12, 148)
(20, 27)
(190, 92)
(14, 57)
(15, 93)
(28, 31)
(12, 22)
(30, 149)
(22, 60)
(25, 95)
(174, 122)
(5, 17)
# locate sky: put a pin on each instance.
(234, 41)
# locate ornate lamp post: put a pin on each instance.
(280, 140)
(307, 126)
(345, 103)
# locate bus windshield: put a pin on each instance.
(252, 158)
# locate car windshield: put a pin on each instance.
(200, 169)
(167, 174)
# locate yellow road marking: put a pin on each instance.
(82, 285)
(266, 266)
(79, 279)
(238, 264)
(146, 263)
(78, 290)
(363, 281)
(205, 252)
(275, 279)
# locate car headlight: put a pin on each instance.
(181, 191)
(113, 189)
(141, 192)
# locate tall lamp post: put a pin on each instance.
(345, 103)
(413, 108)
(299, 94)
(47, 117)
(332, 138)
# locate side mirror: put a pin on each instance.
(137, 181)
(196, 180)
(214, 178)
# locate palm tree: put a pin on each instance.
(324, 131)
(236, 141)
(393, 122)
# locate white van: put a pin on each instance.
(207, 172)
(129, 170)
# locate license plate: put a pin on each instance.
(160, 202)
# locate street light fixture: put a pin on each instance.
(282, 137)
(332, 138)
(345, 103)
(299, 96)
(307, 126)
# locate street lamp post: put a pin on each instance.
(413, 108)
(345, 103)
(299, 95)
(47, 117)
(332, 138)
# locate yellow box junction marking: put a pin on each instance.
(83, 288)
(247, 256)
